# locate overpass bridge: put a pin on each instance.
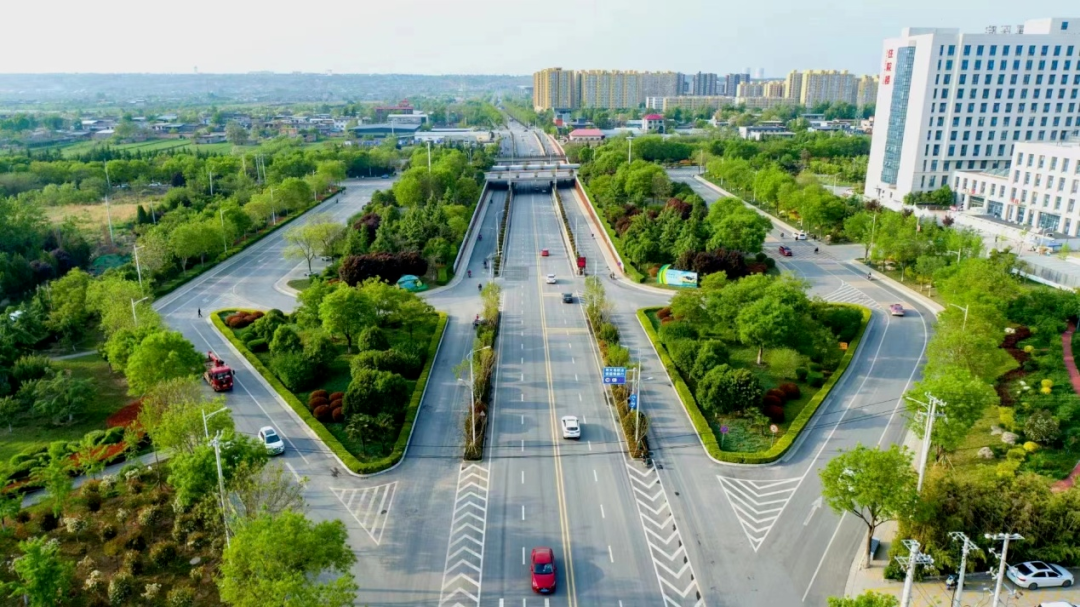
(520, 159)
(541, 175)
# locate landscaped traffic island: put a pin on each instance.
(352, 362)
(753, 359)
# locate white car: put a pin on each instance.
(1037, 574)
(273, 442)
(800, 236)
(550, 279)
(570, 427)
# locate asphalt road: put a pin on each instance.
(438, 531)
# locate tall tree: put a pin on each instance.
(69, 313)
(346, 311)
(43, 576)
(162, 355)
(874, 485)
(314, 570)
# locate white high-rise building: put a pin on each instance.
(949, 101)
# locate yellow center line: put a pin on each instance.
(563, 516)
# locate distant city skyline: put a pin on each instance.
(478, 36)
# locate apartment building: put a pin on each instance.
(660, 84)
(731, 84)
(610, 89)
(793, 86)
(950, 101)
(555, 88)
(831, 86)
(761, 88)
(689, 103)
(1039, 189)
(867, 91)
(764, 103)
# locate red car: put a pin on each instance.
(543, 570)
(786, 252)
(543, 252)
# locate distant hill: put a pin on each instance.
(258, 87)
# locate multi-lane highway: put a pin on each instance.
(439, 531)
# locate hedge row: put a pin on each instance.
(348, 459)
(616, 240)
(701, 425)
(195, 271)
(566, 224)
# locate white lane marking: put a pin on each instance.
(611, 557)
(523, 360)
(570, 345)
(523, 559)
(522, 420)
(829, 545)
(576, 377)
(572, 361)
(595, 478)
(602, 515)
(523, 396)
(583, 419)
(522, 377)
(580, 399)
(293, 470)
(589, 443)
(523, 512)
(758, 504)
(523, 444)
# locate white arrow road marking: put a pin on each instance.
(463, 572)
(813, 508)
(758, 504)
(674, 573)
(370, 506)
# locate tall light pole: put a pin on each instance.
(928, 427)
(138, 269)
(273, 207)
(472, 393)
(630, 153)
(206, 429)
(224, 240)
(108, 211)
(957, 254)
(913, 560)
(965, 309)
(1006, 538)
(428, 155)
(216, 442)
(967, 546)
(134, 316)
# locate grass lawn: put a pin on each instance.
(741, 436)
(299, 284)
(110, 394)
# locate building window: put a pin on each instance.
(1005, 50)
(967, 50)
(933, 180)
(978, 64)
(1057, 51)
(1053, 163)
(993, 50)
(1031, 50)
(894, 137)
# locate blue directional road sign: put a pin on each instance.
(614, 375)
(633, 401)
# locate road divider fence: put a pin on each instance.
(503, 228)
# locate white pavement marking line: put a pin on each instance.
(595, 478)
(523, 512)
(758, 504)
(370, 506)
(463, 572)
(674, 573)
(849, 294)
(295, 475)
(611, 557)
(602, 515)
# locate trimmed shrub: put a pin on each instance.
(663, 313)
(333, 395)
(801, 373)
(671, 331)
(815, 367)
(608, 333)
(710, 354)
(265, 326)
(334, 404)
(292, 368)
(780, 395)
(286, 340)
(815, 379)
(791, 391)
(393, 361)
(238, 320)
(258, 345)
(315, 403)
(373, 392)
(319, 348)
(181, 596)
(337, 414)
(322, 413)
(372, 338)
(770, 401)
(163, 554)
(320, 394)
(684, 352)
(775, 413)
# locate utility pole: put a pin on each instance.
(930, 414)
(224, 239)
(216, 442)
(108, 211)
(967, 546)
(630, 154)
(911, 561)
(965, 309)
(211, 173)
(1006, 538)
(135, 250)
(429, 156)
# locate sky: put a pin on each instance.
(478, 36)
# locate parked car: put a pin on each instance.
(786, 252)
(543, 252)
(570, 427)
(1037, 574)
(543, 570)
(550, 279)
(568, 298)
(273, 442)
(896, 310)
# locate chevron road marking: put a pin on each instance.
(758, 504)
(370, 506)
(674, 572)
(462, 574)
(849, 294)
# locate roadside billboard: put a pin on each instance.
(676, 278)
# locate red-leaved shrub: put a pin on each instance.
(334, 404)
(315, 403)
(318, 394)
(775, 413)
(338, 415)
(336, 396)
(663, 313)
(771, 401)
(126, 416)
(779, 394)
(322, 413)
(791, 390)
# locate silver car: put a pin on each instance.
(570, 427)
(1037, 574)
(273, 442)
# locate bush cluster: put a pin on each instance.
(239, 320)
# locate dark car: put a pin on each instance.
(786, 252)
(543, 570)
(568, 298)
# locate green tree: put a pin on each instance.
(161, 356)
(726, 390)
(193, 475)
(766, 323)
(191, 239)
(55, 476)
(174, 417)
(874, 485)
(69, 313)
(43, 575)
(867, 599)
(966, 398)
(236, 134)
(314, 570)
(60, 397)
(346, 311)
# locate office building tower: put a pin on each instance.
(951, 101)
(555, 88)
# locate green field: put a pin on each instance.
(110, 395)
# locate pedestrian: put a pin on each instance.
(199, 312)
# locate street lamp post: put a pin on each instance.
(206, 429)
(273, 207)
(472, 394)
(965, 309)
(224, 239)
(428, 155)
(133, 304)
(216, 442)
(138, 268)
(630, 154)
(957, 254)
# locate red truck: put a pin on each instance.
(218, 374)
